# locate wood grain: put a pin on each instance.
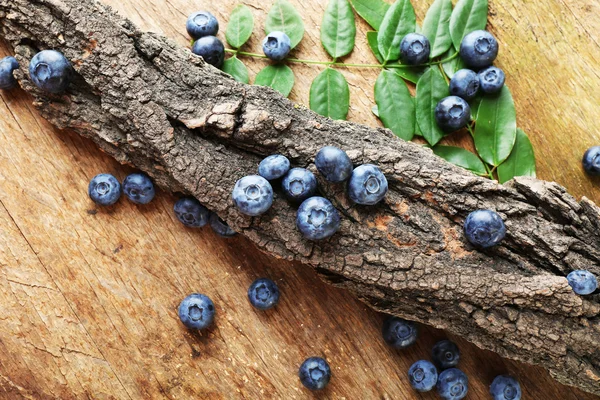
(93, 293)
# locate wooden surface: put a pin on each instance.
(90, 295)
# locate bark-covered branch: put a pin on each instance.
(150, 103)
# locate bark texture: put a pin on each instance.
(152, 104)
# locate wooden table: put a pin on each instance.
(90, 294)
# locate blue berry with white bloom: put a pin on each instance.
(422, 376)
(452, 384)
(253, 195)
(452, 113)
(139, 188)
(479, 49)
(491, 80)
(334, 164)
(220, 227)
(367, 185)
(464, 84)
(7, 66)
(276, 45)
(591, 161)
(50, 71)
(445, 354)
(583, 282)
(484, 228)
(196, 311)
(505, 387)
(104, 189)
(274, 167)
(317, 219)
(414, 49)
(202, 23)
(191, 213)
(211, 49)
(263, 294)
(314, 373)
(299, 184)
(399, 333)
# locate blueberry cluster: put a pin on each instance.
(105, 189)
(316, 218)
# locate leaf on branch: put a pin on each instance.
(399, 20)
(461, 157)
(431, 88)
(521, 161)
(468, 16)
(330, 94)
(236, 68)
(279, 77)
(285, 18)
(436, 27)
(338, 28)
(240, 26)
(395, 105)
(372, 11)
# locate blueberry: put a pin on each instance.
(276, 45)
(274, 167)
(314, 373)
(139, 188)
(197, 311)
(202, 23)
(211, 49)
(7, 66)
(317, 218)
(220, 227)
(253, 195)
(484, 228)
(591, 161)
(367, 185)
(452, 384)
(414, 49)
(422, 376)
(452, 113)
(334, 164)
(464, 84)
(191, 213)
(505, 387)
(263, 294)
(491, 80)
(299, 184)
(582, 282)
(445, 354)
(50, 71)
(399, 333)
(479, 49)
(104, 189)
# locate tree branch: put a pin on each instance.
(152, 104)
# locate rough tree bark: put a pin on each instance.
(152, 104)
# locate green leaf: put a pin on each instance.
(475, 103)
(496, 127)
(284, 17)
(453, 65)
(240, 26)
(279, 77)
(399, 20)
(330, 94)
(372, 40)
(411, 74)
(234, 67)
(372, 11)
(521, 161)
(436, 27)
(461, 157)
(431, 88)
(395, 104)
(375, 110)
(468, 16)
(338, 29)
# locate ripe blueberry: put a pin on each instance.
(202, 23)
(253, 195)
(263, 294)
(276, 45)
(274, 167)
(484, 228)
(505, 387)
(211, 49)
(452, 384)
(317, 218)
(220, 227)
(479, 49)
(491, 80)
(139, 188)
(314, 373)
(299, 184)
(50, 71)
(445, 354)
(583, 282)
(190, 212)
(452, 113)
(334, 164)
(104, 189)
(591, 160)
(464, 84)
(7, 66)
(399, 333)
(414, 49)
(367, 185)
(422, 376)
(196, 311)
